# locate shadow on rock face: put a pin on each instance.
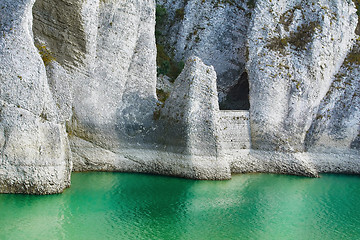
(135, 125)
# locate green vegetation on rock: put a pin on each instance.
(353, 57)
(357, 4)
(251, 4)
(45, 54)
(162, 95)
(166, 64)
(297, 39)
(180, 13)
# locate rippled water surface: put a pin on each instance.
(135, 206)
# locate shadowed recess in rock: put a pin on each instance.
(238, 96)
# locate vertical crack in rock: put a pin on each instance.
(337, 122)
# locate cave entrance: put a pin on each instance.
(237, 97)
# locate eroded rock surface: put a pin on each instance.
(337, 123)
(215, 31)
(295, 49)
(190, 120)
(107, 49)
(34, 150)
(78, 84)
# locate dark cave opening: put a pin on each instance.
(238, 95)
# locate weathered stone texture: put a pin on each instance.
(34, 151)
(215, 31)
(78, 84)
(295, 49)
(190, 119)
(336, 126)
(110, 67)
(234, 130)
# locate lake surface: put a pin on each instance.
(136, 206)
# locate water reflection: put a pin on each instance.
(19, 214)
(135, 206)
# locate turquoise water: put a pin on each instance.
(135, 206)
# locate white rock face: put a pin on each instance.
(107, 49)
(164, 84)
(34, 150)
(336, 127)
(295, 49)
(215, 31)
(234, 130)
(185, 142)
(91, 66)
(112, 75)
(190, 120)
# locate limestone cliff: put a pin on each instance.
(304, 82)
(336, 126)
(293, 57)
(34, 149)
(78, 87)
(189, 118)
(105, 50)
(215, 31)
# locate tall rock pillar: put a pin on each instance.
(34, 151)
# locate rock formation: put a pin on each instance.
(79, 88)
(303, 95)
(215, 31)
(293, 57)
(190, 119)
(336, 125)
(107, 52)
(34, 149)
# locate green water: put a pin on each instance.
(135, 206)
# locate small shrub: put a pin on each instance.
(357, 4)
(353, 56)
(161, 14)
(162, 95)
(162, 60)
(277, 44)
(166, 65)
(180, 13)
(303, 35)
(163, 68)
